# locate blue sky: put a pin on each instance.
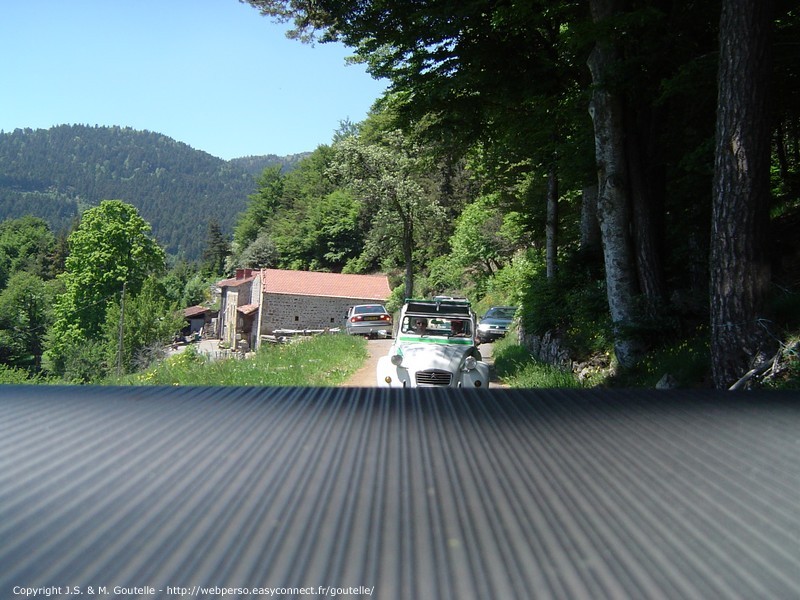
(214, 74)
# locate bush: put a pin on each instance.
(573, 306)
(13, 375)
(396, 299)
(85, 363)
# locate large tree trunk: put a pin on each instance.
(646, 185)
(408, 257)
(740, 272)
(613, 201)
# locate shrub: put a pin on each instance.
(85, 363)
(13, 375)
(573, 306)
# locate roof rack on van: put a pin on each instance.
(448, 299)
(424, 306)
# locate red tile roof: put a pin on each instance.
(235, 281)
(332, 285)
(247, 309)
(195, 311)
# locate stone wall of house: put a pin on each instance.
(252, 293)
(230, 300)
(283, 311)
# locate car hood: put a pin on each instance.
(431, 355)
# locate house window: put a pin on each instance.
(332, 321)
(296, 318)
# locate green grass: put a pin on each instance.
(518, 369)
(324, 360)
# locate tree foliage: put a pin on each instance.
(328, 235)
(262, 253)
(479, 240)
(25, 315)
(261, 207)
(386, 177)
(110, 251)
(216, 251)
(26, 244)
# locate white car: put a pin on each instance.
(434, 347)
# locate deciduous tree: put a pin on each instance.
(386, 178)
(478, 241)
(149, 322)
(111, 250)
(613, 199)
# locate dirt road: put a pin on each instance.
(366, 375)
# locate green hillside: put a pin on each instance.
(56, 173)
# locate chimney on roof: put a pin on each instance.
(243, 273)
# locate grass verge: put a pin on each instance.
(518, 369)
(324, 360)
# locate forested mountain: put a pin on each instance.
(255, 165)
(56, 173)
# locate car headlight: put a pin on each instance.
(397, 359)
(483, 327)
(470, 363)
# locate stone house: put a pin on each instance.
(260, 302)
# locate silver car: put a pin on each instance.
(369, 319)
(495, 323)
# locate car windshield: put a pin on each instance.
(443, 326)
(373, 308)
(500, 313)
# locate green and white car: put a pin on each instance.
(434, 347)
